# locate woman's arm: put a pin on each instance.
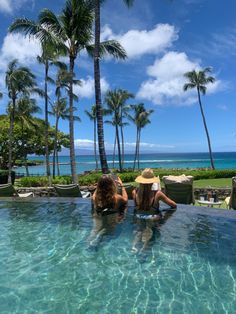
(123, 190)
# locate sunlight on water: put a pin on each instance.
(54, 258)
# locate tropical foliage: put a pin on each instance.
(198, 80)
(140, 118)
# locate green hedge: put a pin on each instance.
(4, 176)
(43, 181)
(92, 178)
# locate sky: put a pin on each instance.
(163, 39)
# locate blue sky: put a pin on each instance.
(163, 40)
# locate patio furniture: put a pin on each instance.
(179, 188)
(231, 200)
(8, 190)
(70, 190)
(209, 203)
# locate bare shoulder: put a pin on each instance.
(120, 199)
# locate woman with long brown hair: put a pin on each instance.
(108, 208)
(106, 198)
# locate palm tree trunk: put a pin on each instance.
(23, 150)
(26, 166)
(102, 152)
(114, 152)
(71, 124)
(95, 143)
(206, 130)
(123, 145)
(46, 124)
(136, 149)
(11, 138)
(118, 147)
(58, 167)
(55, 149)
(139, 136)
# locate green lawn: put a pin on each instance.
(215, 183)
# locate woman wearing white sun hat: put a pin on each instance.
(146, 200)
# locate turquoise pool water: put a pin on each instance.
(54, 258)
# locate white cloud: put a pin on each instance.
(8, 6)
(140, 42)
(165, 85)
(148, 145)
(87, 88)
(85, 143)
(5, 6)
(17, 46)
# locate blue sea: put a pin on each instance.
(154, 160)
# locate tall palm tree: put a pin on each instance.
(113, 100)
(93, 117)
(72, 32)
(140, 118)
(97, 82)
(116, 101)
(199, 80)
(61, 111)
(19, 81)
(47, 59)
(26, 107)
(124, 109)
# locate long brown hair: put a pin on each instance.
(105, 192)
(144, 194)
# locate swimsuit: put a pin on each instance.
(155, 213)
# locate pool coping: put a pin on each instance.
(185, 209)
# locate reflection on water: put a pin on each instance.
(46, 264)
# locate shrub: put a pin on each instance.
(43, 181)
(128, 176)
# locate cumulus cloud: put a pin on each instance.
(86, 90)
(140, 42)
(165, 85)
(85, 143)
(5, 6)
(8, 6)
(149, 145)
(17, 46)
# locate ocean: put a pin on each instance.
(154, 160)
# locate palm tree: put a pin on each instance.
(93, 117)
(116, 101)
(61, 111)
(98, 98)
(199, 80)
(140, 119)
(19, 81)
(47, 59)
(25, 108)
(124, 109)
(72, 32)
(113, 101)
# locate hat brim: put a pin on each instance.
(141, 179)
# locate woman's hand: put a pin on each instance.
(119, 181)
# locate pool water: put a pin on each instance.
(54, 258)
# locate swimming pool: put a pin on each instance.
(54, 258)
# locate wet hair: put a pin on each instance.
(144, 195)
(105, 193)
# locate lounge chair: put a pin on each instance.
(231, 200)
(8, 190)
(179, 188)
(70, 190)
